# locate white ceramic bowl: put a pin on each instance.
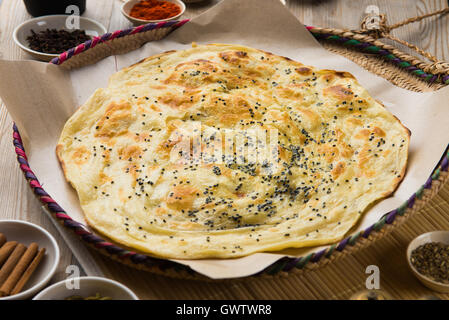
(88, 286)
(22, 31)
(434, 236)
(26, 233)
(127, 6)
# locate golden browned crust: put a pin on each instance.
(59, 148)
(149, 58)
(339, 152)
(401, 176)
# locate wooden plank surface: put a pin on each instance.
(19, 203)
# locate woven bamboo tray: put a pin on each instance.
(386, 62)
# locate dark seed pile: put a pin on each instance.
(432, 260)
(56, 41)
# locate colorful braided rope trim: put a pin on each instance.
(386, 54)
(363, 46)
(284, 264)
(115, 35)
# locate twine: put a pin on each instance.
(384, 31)
(367, 40)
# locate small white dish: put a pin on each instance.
(22, 31)
(433, 236)
(26, 233)
(127, 6)
(88, 286)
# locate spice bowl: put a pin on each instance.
(128, 5)
(25, 233)
(87, 287)
(22, 31)
(433, 236)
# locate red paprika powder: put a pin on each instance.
(154, 10)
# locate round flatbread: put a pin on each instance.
(220, 151)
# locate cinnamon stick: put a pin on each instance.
(11, 262)
(19, 269)
(28, 272)
(2, 239)
(6, 250)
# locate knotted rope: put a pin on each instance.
(382, 30)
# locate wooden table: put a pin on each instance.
(19, 203)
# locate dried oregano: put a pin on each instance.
(432, 260)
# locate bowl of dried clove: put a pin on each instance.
(46, 37)
(428, 259)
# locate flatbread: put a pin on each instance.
(220, 151)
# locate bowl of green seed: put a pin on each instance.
(428, 259)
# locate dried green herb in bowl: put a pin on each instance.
(56, 41)
(432, 260)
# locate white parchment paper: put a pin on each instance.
(41, 97)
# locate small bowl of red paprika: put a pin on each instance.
(145, 11)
